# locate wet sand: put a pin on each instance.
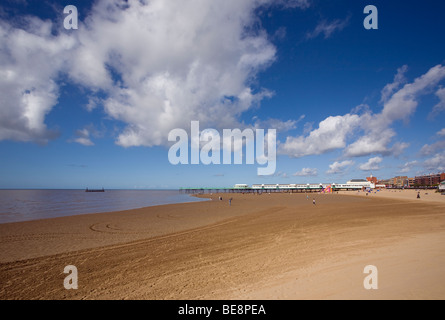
(277, 246)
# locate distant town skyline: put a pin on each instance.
(93, 106)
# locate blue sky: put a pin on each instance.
(93, 107)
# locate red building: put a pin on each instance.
(372, 179)
(429, 180)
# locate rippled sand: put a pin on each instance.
(277, 246)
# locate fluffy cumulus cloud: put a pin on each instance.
(31, 59)
(331, 134)
(376, 143)
(367, 133)
(370, 144)
(306, 172)
(400, 106)
(339, 167)
(404, 102)
(165, 63)
(437, 162)
(157, 64)
(372, 164)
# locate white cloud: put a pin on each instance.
(161, 64)
(339, 167)
(377, 143)
(372, 164)
(156, 64)
(280, 126)
(399, 80)
(407, 167)
(281, 174)
(404, 102)
(330, 135)
(302, 4)
(92, 104)
(327, 28)
(370, 144)
(397, 149)
(430, 149)
(436, 152)
(374, 131)
(31, 58)
(306, 172)
(400, 106)
(308, 127)
(436, 163)
(361, 109)
(83, 137)
(175, 63)
(440, 107)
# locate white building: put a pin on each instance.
(362, 183)
(265, 186)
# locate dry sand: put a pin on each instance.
(425, 195)
(276, 246)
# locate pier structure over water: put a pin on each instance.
(275, 188)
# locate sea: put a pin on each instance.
(26, 205)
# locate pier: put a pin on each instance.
(250, 190)
(259, 189)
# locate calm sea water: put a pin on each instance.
(25, 205)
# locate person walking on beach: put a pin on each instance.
(313, 201)
(230, 201)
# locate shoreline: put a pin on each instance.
(277, 246)
(75, 204)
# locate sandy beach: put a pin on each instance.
(277, 246)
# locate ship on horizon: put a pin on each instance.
(94, 190)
